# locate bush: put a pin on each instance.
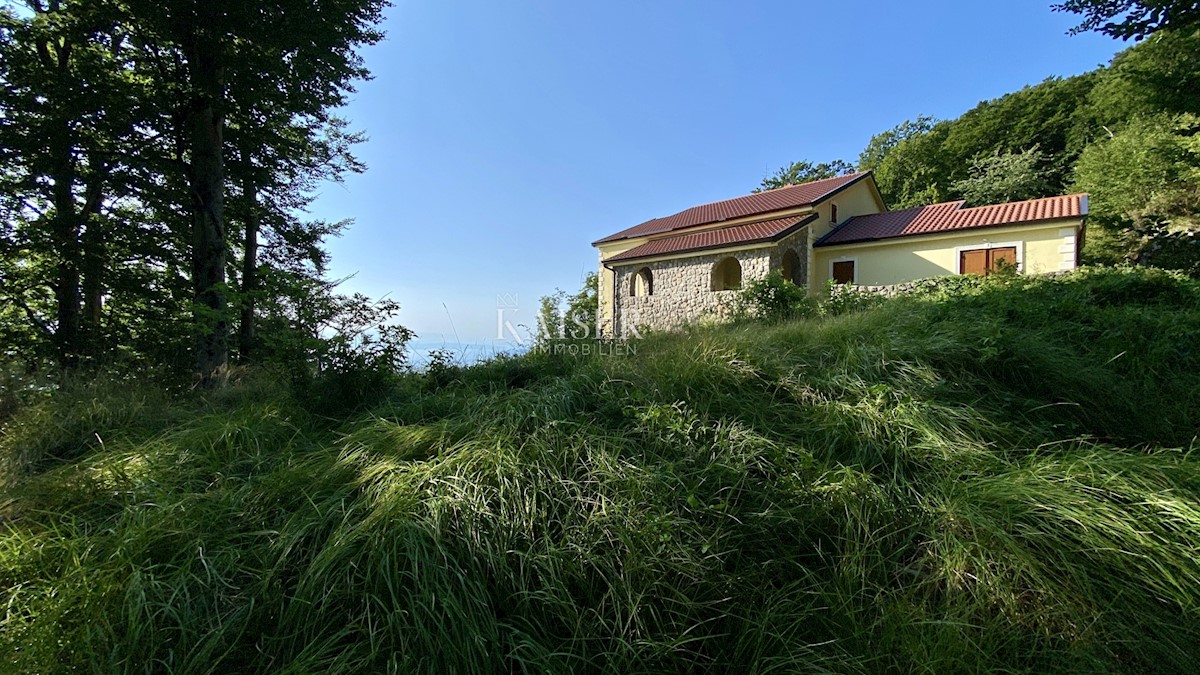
(844, 299)
(773, 299)
(1174, 250)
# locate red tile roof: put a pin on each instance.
(952, 216)
(789, 197)
(738, 235)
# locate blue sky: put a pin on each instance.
(505, 137)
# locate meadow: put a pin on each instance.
(984, 475)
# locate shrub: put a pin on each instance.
(773, 299)
(1174, 250)
(844, 299)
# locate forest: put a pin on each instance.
(1127, 134)
(157, 159)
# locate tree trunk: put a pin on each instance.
(207, 175)
(94, 260)
(249, 274)
(66, 247)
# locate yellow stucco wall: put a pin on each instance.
(859, 199)
(1044, 247)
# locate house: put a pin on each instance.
(670, 271)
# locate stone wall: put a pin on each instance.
(682, 287)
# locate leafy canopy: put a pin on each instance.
(1131, 19)
(804, 172)
(1005, 177)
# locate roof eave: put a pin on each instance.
(807, 220)
(688, 251)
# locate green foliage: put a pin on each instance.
(936, 164)
(1158, 76)
(1136, 19)
(71, 106)
(1005, 177)
(774, 299)
(845, 299)
(1173, 250)
(1149, 171)
(909, 173)
(570, 317)
(104, 189)
(1144, 184)
(883, 143)
(804, 172)
(341, 351)
(965, 479)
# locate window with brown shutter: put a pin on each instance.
(984, 261)
(843, 272)
(1008, 254)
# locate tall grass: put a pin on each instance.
(995, 476)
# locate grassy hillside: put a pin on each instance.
(989, 475)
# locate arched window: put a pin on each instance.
(642, 283)
(791, 267)
(727, 275)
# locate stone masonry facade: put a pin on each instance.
(682, 287)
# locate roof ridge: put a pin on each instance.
(751, 194)
(755, 203)
(1020, 201)
(957, 203)
(792, 185)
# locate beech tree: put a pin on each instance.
(68, 113)
(1006, 177)
(155, 160)
(219, 58)
(884, 142)
(275, 167)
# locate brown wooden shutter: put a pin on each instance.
(974, 261)
(1008, 254)
(843, 272)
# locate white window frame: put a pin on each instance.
(845, 258)
(987, 245)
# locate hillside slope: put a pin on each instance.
(991, 475)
